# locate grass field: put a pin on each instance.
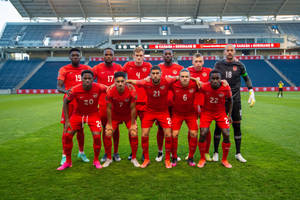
(30, 151)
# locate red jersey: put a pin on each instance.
(87, 101)
(121, 102)
(214, 99)
(184, 97)
(138, 73)
(157, 95)
(105, 75)
(71, 75)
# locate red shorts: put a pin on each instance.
(72, 106)
(93, 120)
(189, 118)
(220, 118)
(117, 121)
(163, 118)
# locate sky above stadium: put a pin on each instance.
(8, 13)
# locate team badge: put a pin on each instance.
(191, 90)
(221, 95)
(162, 87)
(144, 69)
(95, 95)
(204, 74)
(234, 68)
(174, 71)
(126, 100)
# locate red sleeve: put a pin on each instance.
(125, 67)
(109, 96)
(170, 80)
(229, 93)
(61, 74)
(94, 70)
(141, 83)
(133, 95)
(103, 88)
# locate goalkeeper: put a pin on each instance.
(231, 70)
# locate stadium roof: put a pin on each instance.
(155, 8)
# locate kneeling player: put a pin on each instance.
(121, 101)
(183, 110)
(86, 95)
(215, 109)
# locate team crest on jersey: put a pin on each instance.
(126, 100)
(204, 74)
(144, 69)
(95, 95)
(191, 90)
(234, 68)
(174, 71)
(221, 95)
(162, 87)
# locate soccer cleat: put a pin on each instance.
(201, 163)
(174, 162)
(215, 157)
(116, 157)
(159, 156)
(130, 157)
(64, 166)
(145, 163)
(103, 159)
(240, 158)
(97, 164)
(107, 162)
(168, 164)
(83, 157)
(63, 159)
(191, 162)
(135, 162)
(207, 157)
(226, 164)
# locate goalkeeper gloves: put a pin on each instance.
(251, 100)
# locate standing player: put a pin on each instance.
(231, 71)
(157, 89)
(69, 76)
(183, 110)
(215, 95)
(138, 70)
(104, 72)
(202, 74)
(121, 108)
(168, 68)
(86, 95)
(280, 89)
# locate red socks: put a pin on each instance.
(208, 141)
(225, 147)
(193, 146)
(145, 147)
(97, 146)
(202, 146)
(116, 137)
(134, 145)
(168, 147)
(107, 146)
(68, 145)
(174, 147)
(160, 139)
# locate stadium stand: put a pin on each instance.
(290, 68)
(13, 72)
(91, 35)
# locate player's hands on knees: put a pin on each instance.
(224, 83)
(108, 130)
(67, 125)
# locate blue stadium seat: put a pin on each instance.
(290, 68)
(13, 72)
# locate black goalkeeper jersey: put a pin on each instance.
(232, 72)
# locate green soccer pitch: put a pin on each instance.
(30, 152)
